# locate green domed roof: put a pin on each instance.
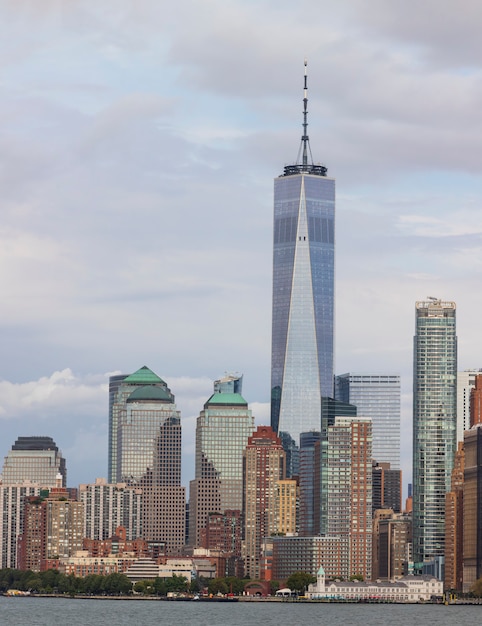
(143, 376)
(151, 393)
(227, 399)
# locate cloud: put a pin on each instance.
(136, 164)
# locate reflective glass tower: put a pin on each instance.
(376, 396)
(222, 432)
(303, 292)
(434, 423)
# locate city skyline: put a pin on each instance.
(137, 164)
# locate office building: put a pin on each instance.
(222, 431)
(376, 396)
(307, 554)
(434, 424)
(465, 384)
(263, 468)
(349, 489)
(35, 459)
(303, 292)
(121, 386)
(146, 428)
(107, 506)
(472, 508)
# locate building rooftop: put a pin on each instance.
(227, 399)
(144, 376)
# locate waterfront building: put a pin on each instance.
(222, 431)
(82, 564)
(35, 459)
(472, 507)
(307, 554)
(263, 468)
(303, 292)
(454, 524)
(376, 396)
(465, 384)
(110, 505)
(408, 589)
(349, 489)
(434, 424)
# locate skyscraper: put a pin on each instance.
(303, 292)
(349, 489)
(222, 432)
(35, 459)
(146, 427)
(108, 506)
(434, 423)
(120, 388)
(376, 396)
(263, 468)
(472, 507)
(53, 529)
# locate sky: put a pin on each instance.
(139, 141)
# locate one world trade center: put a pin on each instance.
(303, 292)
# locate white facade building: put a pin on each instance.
(409, 589)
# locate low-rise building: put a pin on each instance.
(408, 589)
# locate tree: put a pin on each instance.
(218, 585)
(355, 577)
(476, 588)
(299, 581)
(274, 584)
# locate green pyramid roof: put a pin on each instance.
(227, 399)
(144, 376)
(151, 392)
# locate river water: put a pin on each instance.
(69, 612)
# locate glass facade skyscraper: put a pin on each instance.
(35, 459)
(376, 396)
(434, 423)
(303, 294)
(222, 431)
(145, 427)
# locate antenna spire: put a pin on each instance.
(302, 166)
(305, 139)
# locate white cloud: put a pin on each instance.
(136, 165)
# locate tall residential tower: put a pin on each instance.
(303, 292)
(434, 423)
